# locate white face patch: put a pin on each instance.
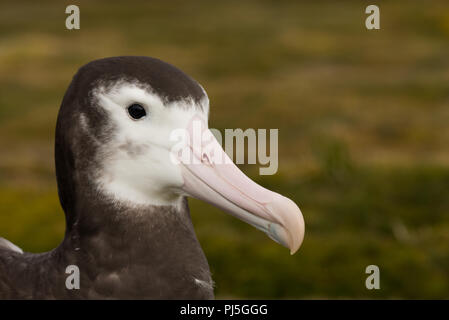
(136, 165)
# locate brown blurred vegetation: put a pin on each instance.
(362, 117)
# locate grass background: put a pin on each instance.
(362, 117)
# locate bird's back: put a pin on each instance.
(25, 275)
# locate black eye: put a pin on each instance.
(136, 111)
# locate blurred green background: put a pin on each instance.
(362, 116)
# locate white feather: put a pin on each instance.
(9, 245)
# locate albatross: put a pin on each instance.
(123, 182)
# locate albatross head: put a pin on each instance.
(147, 124)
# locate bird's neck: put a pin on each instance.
(150, 247)
(137, 232)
